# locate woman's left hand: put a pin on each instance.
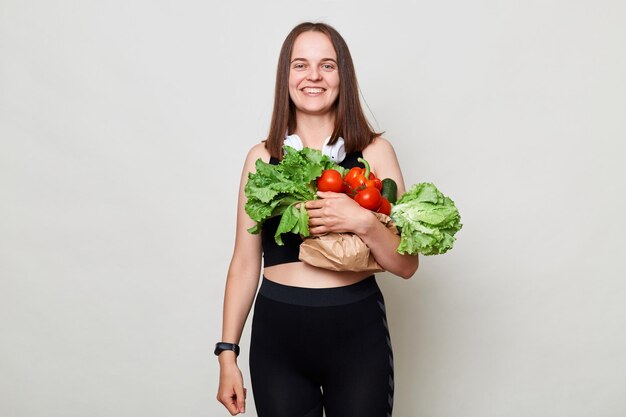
(336, 212)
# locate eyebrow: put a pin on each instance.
(304, 59)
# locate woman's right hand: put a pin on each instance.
(231, 392)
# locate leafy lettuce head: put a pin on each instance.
(428, 221)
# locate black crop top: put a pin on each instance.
(273, 254)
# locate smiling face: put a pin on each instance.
(313, 73)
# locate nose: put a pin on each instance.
(314, 74)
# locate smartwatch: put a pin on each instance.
(222, 346)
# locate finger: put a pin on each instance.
(313, 204)
(316, 221)
(318, 230)
(315, 212)
(241, 402)
(329, 194)
(230, 404)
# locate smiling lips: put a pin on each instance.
(313, 91)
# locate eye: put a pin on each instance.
(298, 66)
(329, 66)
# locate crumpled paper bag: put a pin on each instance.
(342, 251)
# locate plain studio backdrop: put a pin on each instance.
(124, 127)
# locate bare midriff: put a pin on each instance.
(300, 274)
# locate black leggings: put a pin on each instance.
(334, 338)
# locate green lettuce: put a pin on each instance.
(427, 221)
(274, 190)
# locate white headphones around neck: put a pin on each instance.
(336, 152)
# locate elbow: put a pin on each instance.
(245, 266)
(411, 268)
(408, 274)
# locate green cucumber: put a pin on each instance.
(390, 190)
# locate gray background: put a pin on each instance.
(124, 127)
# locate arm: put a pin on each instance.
(336, 212)
(381, 241)
(241, 285)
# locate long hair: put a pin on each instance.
(350, 122)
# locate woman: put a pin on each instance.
(313, 328)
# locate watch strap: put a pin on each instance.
(222, 346)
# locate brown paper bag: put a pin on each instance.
(342, 251)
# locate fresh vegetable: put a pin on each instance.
(390, 190)
(362, 185)
(330, 181)
(369, 198)
(385, 206)
(274, 190)
(357, 178)
(427, 221)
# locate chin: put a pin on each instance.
(317, 110)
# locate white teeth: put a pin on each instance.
(314, 90)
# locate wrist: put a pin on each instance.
(366, 223)
(227, 357)
(224, 347)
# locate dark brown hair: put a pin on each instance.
(350, 122)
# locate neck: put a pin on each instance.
(314, 129)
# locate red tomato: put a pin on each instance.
(348, 190)
(330, 180)
(385, 206)
(369, 198)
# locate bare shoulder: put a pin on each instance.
(379, 144)
(257, 151)
(383, 160)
